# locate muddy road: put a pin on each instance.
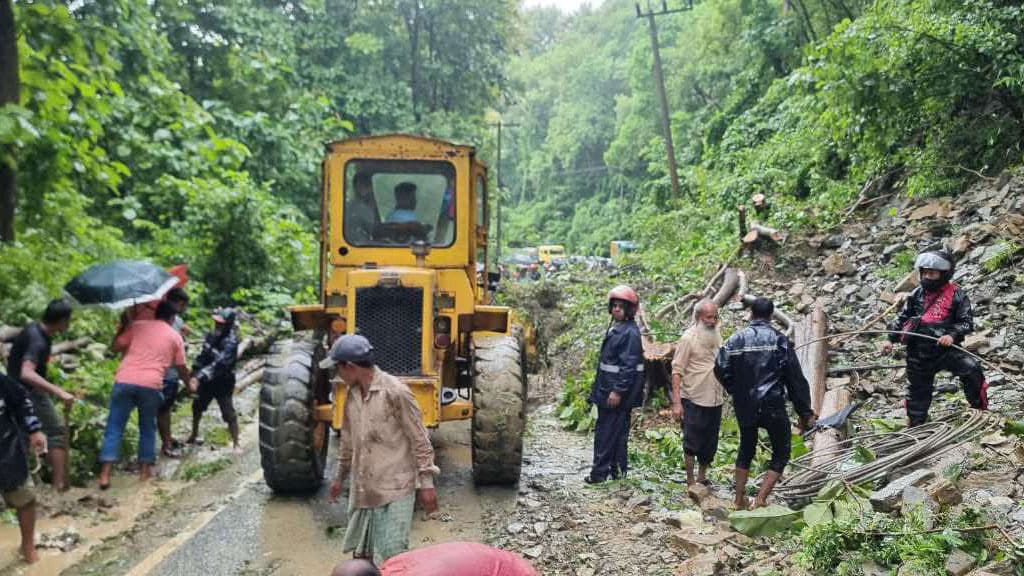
(232, 523)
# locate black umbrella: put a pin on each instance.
(121, 284)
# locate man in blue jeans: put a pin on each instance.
(150, 347)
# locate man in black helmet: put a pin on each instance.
(215, 375)
(938, 308)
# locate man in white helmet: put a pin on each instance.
(940, 309)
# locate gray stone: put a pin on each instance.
(1001, 505)
(891, 248)
(533, 553)
(640, 529)
(639, 500)
(945, 492)
(705, 564)
(515, 528)
(696, 543)
(539, 528)
(885, 499)
(837, 265)
(834, 241)
(829, 287)
(959, 563)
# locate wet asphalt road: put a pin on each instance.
(254, 532)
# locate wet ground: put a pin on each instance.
(232, 524)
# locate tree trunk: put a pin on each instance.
(412, 24)
(10, 93)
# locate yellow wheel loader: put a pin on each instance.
(403, 261)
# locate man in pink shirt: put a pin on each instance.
(150, 347)
(449, 559)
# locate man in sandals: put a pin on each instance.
(697, 397)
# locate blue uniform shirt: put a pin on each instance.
(620, 367)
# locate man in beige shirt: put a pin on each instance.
(697, 397)
(387, 450)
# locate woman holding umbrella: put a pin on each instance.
(150, 347)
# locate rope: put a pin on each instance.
(915, 335)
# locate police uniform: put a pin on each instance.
(620, 369)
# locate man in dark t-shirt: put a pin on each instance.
(29, 355)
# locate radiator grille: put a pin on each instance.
(392, 319)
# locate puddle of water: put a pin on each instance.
(291, 532)
(132, 499)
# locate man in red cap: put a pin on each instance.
(618, 387)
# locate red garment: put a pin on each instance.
(937, 304)
(457, 559)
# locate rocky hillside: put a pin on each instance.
(861, 269)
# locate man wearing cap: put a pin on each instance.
(215, 375)
(386, 448)
(940, 309)
(618, 386)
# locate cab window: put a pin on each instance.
(481, 201)
(397, 202)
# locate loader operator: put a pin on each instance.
(618, 386)
(360, 211)
(941, 309)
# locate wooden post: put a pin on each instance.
(814, 358)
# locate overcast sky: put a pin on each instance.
(566, 6)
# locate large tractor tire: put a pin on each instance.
(499, 409)
(293, 447)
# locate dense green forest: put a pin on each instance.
(192, 131)
(806, 101)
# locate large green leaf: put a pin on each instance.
(766, 521)
(818, 513)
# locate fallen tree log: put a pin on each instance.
(249, 380)
(840, 370)
(70, 345)
(826, 440)
(730, 281)
(8, 333)
(761, 232)
(741, 290)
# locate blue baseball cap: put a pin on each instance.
(348, 348)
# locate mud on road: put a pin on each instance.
(231, 523)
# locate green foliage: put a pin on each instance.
(899, 265)
(765, 521)
(195, 471)
(890, 541)
(1007, 251)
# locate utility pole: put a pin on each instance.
(497, 197)
(659, 81)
